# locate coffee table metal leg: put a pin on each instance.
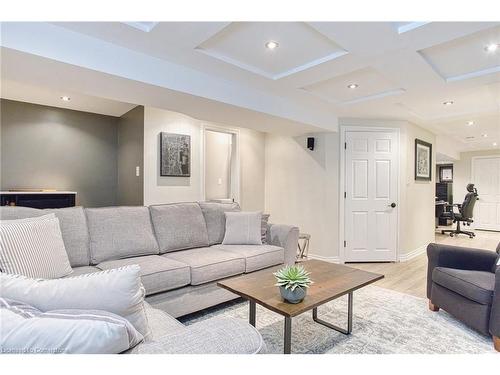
(251, 315)
(332, 326)
(287, 348)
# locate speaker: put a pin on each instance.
(310, 143)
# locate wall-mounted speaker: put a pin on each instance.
(310, 143)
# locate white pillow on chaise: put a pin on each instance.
(26, 330)
(118, 291)
(33, 247)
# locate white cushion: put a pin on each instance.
(118, 291)
(243, 228)
(28, 330)
(33, 247)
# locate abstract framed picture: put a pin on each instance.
(175, 155)
(423, 160)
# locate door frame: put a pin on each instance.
(472, 160)
(342, 139)
(237, 176)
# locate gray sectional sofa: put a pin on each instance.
(178, 247)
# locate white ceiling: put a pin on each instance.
(405, 70)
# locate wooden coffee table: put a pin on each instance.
(331, 281)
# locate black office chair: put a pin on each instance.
(464, 214)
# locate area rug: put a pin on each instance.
(384, 322)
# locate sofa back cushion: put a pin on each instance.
(216, 219)
(179, 226)
(120, 232)
(73, 224)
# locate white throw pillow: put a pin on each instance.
(33, 247)
(27, 330)
(243, 228)
(118, 291)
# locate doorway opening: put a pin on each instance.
(221, 165)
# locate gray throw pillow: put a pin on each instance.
(243, 228)
(497, 263)
(263, 229)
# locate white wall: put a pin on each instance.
(302, 188)
(158, 190)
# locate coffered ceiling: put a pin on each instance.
(317, 72)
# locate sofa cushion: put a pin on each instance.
(256, 256)
(73, 228)
(216, 220)
(158, 274)
(179, 226)
(120, 232)
(209, 264)
(477, 286)
(77, 271)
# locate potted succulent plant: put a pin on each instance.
(293, 282)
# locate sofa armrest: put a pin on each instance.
(495, 307)
(211, 336)
(459, 258)
(285, 236)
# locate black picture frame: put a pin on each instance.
(423, 160)
(175, 155)
(443, 168)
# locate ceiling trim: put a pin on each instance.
(253, 69)
(411, 26)
(379, 95)
(143, 26)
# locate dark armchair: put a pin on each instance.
(466, 283)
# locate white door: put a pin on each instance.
(486, 177)
(371, 192)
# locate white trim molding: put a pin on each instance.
(412, 254)
(326, 259)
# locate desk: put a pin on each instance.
(440, 209)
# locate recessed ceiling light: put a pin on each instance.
(449, 102)
(495, 144)
(353, 86)
(484, 135)
(65, 98)
(272, 44)
(492, 47)
(470, 123)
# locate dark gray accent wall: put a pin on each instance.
(130, 156)
(48, 147)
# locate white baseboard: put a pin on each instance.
(326, 259)
(412, 254)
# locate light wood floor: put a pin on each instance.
(411, 277)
